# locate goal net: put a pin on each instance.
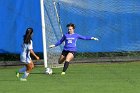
(53, 33)
(115, 23)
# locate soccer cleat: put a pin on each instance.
(23, 79)
(17, 74)
(63, 73)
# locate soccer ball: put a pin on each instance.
(48, 71)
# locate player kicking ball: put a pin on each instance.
(69, 49)
(25, 55)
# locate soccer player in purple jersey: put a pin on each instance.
(69, 49)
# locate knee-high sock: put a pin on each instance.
(25, 75)
(22, 69)
(66, 64)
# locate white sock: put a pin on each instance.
(25, 75)
(22, 69)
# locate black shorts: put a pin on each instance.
(65, 53)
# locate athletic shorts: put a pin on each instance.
(25, 60)
(65, 53)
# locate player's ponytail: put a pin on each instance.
(27, 37)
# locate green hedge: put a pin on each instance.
(16, 57)
(108, 54)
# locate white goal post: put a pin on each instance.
(51, 32)
(43, 32)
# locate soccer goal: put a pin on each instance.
(51, 31)
(112, 26)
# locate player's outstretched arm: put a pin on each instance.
(58, 43)
(86, 38)
(94, 38)
(32, 52)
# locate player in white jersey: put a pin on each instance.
(25, 55)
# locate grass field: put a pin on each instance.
(80, 78)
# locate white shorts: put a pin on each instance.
(25, 60)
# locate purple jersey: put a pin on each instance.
(70, 41)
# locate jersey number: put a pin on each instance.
(69, 41)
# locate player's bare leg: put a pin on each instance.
(61, 59)
(29, 67)
(69, 57)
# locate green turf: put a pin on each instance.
(80, 78)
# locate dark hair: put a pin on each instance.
(71, 24)
(27, 37)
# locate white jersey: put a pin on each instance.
(25, 54)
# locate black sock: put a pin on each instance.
(66, 64)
